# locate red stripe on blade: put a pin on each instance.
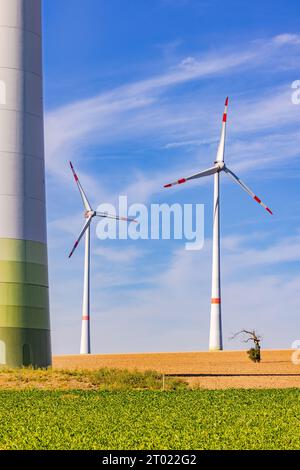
(168, 186)
(224, 117)
(216, 301)
(227, 101)
(269, 210)
(257, 199)
(181, 181)
(75, 176)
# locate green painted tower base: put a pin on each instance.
(24, 305)
(25, 347)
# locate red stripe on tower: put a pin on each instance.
(85, 318)
(216, 301)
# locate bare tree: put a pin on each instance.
(253, 353)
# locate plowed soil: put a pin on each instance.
(210, 370)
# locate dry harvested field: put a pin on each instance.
(210, 370)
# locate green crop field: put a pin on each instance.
(231, 419)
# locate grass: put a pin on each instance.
(151, 420)
(101, 379)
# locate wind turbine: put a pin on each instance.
(215, 338)
(89, 215)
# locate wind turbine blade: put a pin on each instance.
(248, 190)
(82, 193)
(105, 215)
(86, 226)
(221, 149)
(210, 171)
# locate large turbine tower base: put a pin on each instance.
(24, 304)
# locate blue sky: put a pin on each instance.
(134, 94)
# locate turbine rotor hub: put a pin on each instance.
(89, 214)
(220, 165)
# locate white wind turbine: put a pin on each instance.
(89, 214)
(215, 338)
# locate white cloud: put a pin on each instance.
(190, 143)
(123, 255)
(284, 251)
(135, 108)
(287, 38)
(274, 109)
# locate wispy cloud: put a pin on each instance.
(287, 38)
(135, 107)
(125, 255)
(284, 251)
(190, 143)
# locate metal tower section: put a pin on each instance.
(24, 300)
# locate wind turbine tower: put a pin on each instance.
(215, 336)
(89, 216)
(24, 304)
